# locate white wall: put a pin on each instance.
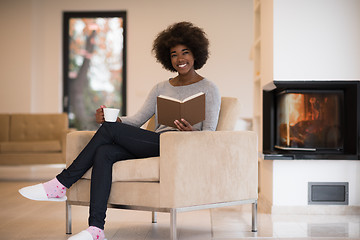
(316, 39)
(15, 56)
(31, 62)
(291, 179)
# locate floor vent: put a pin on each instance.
(328, 193)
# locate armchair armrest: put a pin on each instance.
(63, 142)
(207, 167)
(75, 143)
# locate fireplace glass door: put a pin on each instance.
(310, 120)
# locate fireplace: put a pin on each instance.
(311, 120)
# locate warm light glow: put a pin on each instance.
(309, 119)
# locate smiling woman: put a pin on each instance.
(180, 46)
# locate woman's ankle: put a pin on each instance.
(96, 233)
(54, 189)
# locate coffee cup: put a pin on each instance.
(111, 114)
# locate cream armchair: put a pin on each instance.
(195, 170)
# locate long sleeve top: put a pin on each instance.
(149, 108)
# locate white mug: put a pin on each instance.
(111, 114)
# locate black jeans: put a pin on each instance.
(111, 143)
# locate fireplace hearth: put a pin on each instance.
(311, 120)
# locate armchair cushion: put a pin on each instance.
(134, 170)
(229, 114)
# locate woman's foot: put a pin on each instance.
(92, 233)
(52, 190)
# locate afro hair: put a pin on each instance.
(184, 33)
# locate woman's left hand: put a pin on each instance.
(183, 125)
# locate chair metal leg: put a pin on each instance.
(173, 232)
(254, 217)
(154, 217)
(68, 218)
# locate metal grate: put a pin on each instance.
(328, 193)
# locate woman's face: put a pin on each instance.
(182, 59)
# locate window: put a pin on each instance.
(94, 65)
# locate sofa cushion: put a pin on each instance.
(37, 127)
(30, 147)
(4, 127)
(135, 170)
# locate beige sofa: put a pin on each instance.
(32, 138)
(195, 170)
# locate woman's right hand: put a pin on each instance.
(99, 115)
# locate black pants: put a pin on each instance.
(111, 143)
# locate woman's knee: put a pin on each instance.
(104, 154)
(111, 153)
(104, 129)
(109, 126)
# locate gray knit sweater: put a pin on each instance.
(149, 108)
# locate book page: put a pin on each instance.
(193, 96)
(169, 98)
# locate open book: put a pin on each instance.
(192, 109)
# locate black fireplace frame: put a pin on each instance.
(351, 120)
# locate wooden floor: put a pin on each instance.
(25, 219)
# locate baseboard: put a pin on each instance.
(265, 206)
(39, 172)
(316, 210)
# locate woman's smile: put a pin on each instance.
(182, 58)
